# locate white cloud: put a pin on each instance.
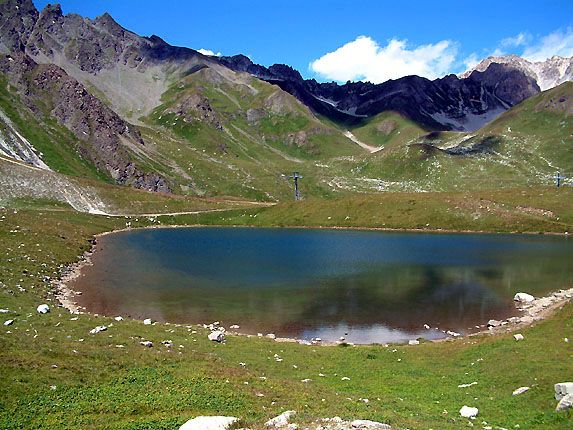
(559, 42)
(520, 39)
(471, 61)
(209, 52)
(365, 59)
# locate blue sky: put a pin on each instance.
(356, 40)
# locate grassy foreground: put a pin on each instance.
(55, 374)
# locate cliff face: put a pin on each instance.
(48, 91)
(547, 74)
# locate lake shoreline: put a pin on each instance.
(540, 309)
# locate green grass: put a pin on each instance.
(98, 385)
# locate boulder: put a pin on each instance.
(147, 321)
(565, 403)
(147, 343)
(43, 309)
(216, 336)
(493, 323)
(118, 318)
(562, 389)
(281, 420)
(523, 298)
(413, 342)
(518, 336)
(468, 412)
(209, 423)
(8, 322)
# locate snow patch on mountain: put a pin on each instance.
(16, 146)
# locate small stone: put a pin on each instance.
(271, 336)
(8, 322)
(280, 421)
(426, 326)
(493, 323)
(413, 342)
(4, 311)
(43, 309)
(98, 329)
(518, 336)
(209, 423)
(147, 343)
(562, 389)
(147, 321)
(118, 318)
(216, 336)
(235, 327)
(468, 412)
(565, 403)
(520, 390)
(523, 298)
(369, 425)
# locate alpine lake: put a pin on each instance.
(363, 286)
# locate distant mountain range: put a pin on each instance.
(86, 97)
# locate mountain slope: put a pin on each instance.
(548, 74)
(449, 103)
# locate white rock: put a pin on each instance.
(98, 329)
(8, 322)
(271, 336)
(467, 385)
(453, 333)
(147, 343)
(118, 318)
(209, 423)
(523, 298)
(565, 403)
(216, 336)
(493, 323)
(147, 321)
(518, 336)
(426, 326)
(562, 389)
(235, 327)
(4, 311)
(281, 420)
(413, 342)
(369, 425)
(520, 390)
(43, 309)
(468, 412)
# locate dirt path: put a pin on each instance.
(369, 148)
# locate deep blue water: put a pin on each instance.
(367, 286)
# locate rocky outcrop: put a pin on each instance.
(103, 136)
(547, 74)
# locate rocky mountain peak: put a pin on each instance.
(17, 19)
(548, 74)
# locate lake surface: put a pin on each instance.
(368, 286)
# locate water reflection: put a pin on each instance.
(378, 287)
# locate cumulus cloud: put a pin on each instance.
(471, 61)
(209, 52)
(365, 59)
(559, 42)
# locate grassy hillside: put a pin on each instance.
(388, 129)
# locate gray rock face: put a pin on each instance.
(102, 134)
